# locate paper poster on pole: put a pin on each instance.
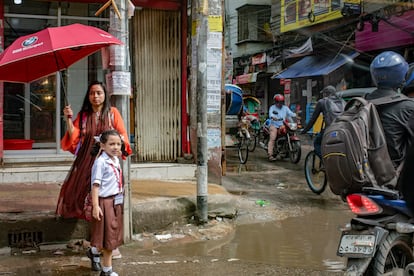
(214, 40)
(119, 83)
(117, 57)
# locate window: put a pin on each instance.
(34, 110)
(254, 23)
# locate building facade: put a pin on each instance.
(33, 121)
(312, 44)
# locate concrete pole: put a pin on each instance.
(121, 95)
(202, 157)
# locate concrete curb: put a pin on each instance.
(155, 205)
(161, 213)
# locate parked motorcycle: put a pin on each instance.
(379, 240)
(287, 142)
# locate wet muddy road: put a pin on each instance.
(282, 228)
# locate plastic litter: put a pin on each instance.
(262, 202)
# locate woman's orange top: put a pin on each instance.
(70, 142)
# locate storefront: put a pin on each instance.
(33, 122)
(32, 110)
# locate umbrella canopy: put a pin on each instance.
(51, 50)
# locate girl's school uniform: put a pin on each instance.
(108, 232)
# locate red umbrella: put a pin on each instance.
(51, 50)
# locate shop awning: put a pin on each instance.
(394, 32)
(153, 4)
(315, 66)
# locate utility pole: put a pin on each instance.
(120, 82)
(207, 21)
(202, 156)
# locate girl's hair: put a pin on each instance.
(103, 138)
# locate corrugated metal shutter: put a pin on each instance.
(157, 63)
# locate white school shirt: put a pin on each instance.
(107, 174)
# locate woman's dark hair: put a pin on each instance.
(87, 106)
(103, 138)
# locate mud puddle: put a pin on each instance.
(308, 242)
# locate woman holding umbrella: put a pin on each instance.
(95, 116)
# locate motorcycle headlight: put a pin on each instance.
(293, 126)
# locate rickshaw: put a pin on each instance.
(251, 107)
(237, 126)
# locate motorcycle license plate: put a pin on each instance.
(357, 245)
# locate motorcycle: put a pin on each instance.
(379, 239)
(287, 142)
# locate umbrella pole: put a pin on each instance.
(63, 90)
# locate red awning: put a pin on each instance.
(154, 4)
(159, 4)
(398, 31)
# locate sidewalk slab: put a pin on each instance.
(27, 210)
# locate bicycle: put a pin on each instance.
(254, 132)
(244, 140)
(315, 173)
(238, 136)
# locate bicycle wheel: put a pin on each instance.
(243, 150)
(315, 173)
(296, 152)
(252, 141)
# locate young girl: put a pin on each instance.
(107, 201)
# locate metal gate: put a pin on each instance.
(157, 68)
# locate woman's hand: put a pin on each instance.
(67, 111)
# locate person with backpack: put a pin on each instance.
(277, 113)
(330, 106)
(367, 144)
(389, 71)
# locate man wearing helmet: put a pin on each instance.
(277, 113)
(330, 106)
(388, 72)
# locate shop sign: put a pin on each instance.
(246, 78)
(287, 83)
(259, 59)
(296, 14)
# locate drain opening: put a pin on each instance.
(25, 239)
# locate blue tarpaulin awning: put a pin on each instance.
(315, 66)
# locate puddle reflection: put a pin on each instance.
(308, 242)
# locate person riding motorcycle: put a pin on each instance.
(277, 113)
(328, 94)
(388, 72)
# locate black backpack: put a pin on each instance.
(354, 149)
